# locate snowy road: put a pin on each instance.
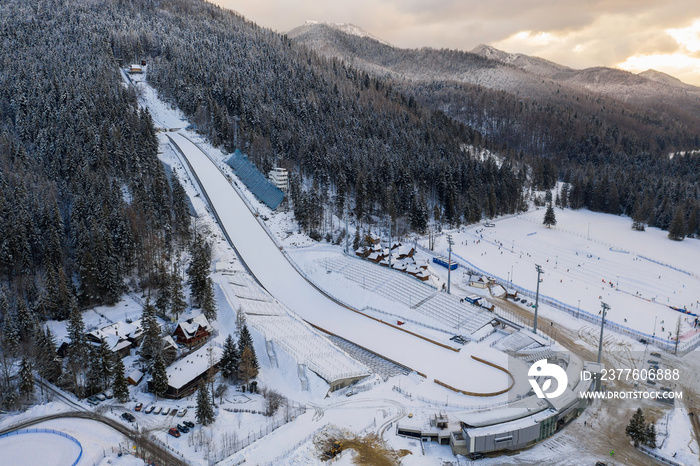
(265, 260)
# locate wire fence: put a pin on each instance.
(237, 445)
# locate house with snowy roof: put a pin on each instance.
(184, 374)
(120, 337)
(193, 332)
(405, 250)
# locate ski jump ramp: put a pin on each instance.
(270, 266)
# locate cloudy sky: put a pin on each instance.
(630, 34)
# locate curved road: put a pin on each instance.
(269, 265)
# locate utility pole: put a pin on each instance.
(449, 262)
(537, 296)
(600, 343)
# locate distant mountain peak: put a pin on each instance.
(663, 78)
(346, 28)
(534, 65)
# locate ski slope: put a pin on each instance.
(268, 264)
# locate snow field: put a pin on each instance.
(582, 272)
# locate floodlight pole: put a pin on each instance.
(537, 296)
(600, 343)
(449, 262)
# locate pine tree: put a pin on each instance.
(48, 365)
(120, 388)
(636, 429)
(230, 359)
(76, 327)
(208, 301)
(650, 435)
(676, 230)
(177, 303)
(198, 271)
(11, 332)
(159, 380)
(165, 297)
(106, 360)
(94, 372)
(549, 217)
(152, 342)
(205, 411)
(248, 367)
(26, 379)
(356, 239)
(244, 337)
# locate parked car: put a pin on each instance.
(138, 407)
(150, 409)
(174, 432)
(182, 412)
(476, 456)
(165, 411)
(93, 400)
(189, 424)
(109, 395)
(183, 429)
(101, 396)
(351, 393)
(157, 410)
(128, 416)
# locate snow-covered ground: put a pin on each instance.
(587, 258)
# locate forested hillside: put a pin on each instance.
(340, 131)
(85, 207)
(608, 133)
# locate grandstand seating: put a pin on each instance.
(399, 287)
(517, 341)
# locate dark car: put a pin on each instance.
(476, 456)
(189, 424)
(174, 432)
(183, 429)
(128, 416)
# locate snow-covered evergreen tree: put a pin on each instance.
(159, 377)
(549, 217)
(230, 359)
(205, 410)
(120, 387)
(26, 379)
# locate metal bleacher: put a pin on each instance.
(307, 347)
(254, 180)
(517, 341)
(402, 288)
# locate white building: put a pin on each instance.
(280, 178)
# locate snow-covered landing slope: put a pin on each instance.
(281, 279)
